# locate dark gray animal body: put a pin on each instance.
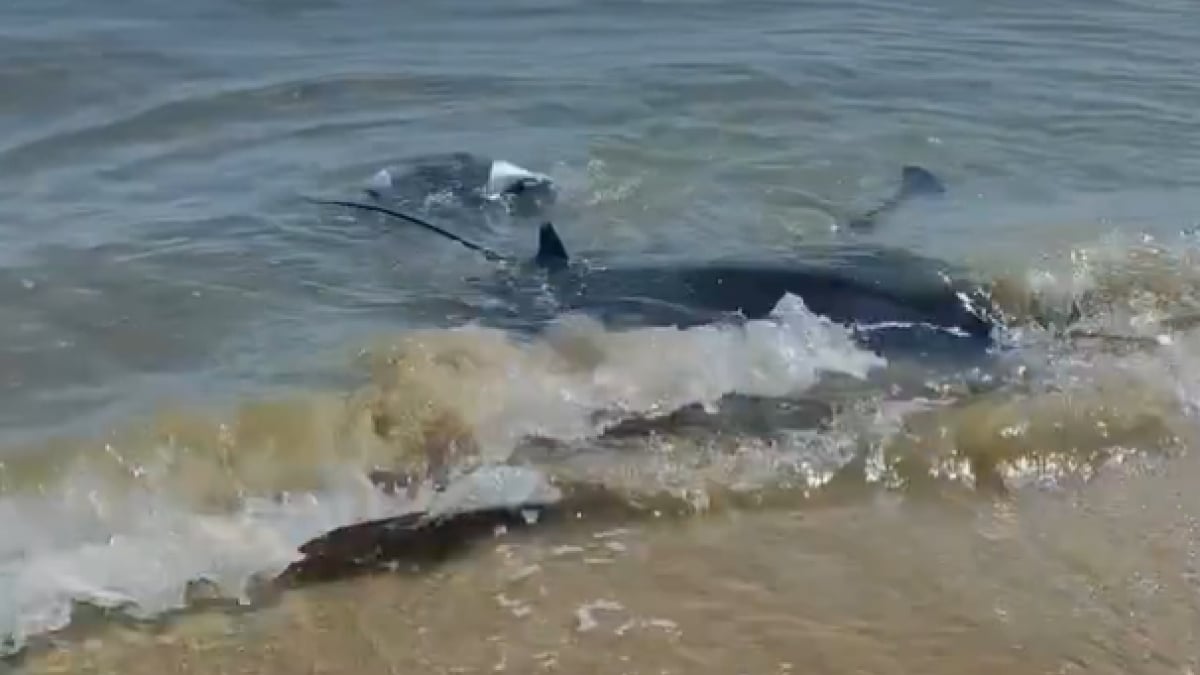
(895, 301)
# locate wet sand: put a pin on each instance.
(1098, 576)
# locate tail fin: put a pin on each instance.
(915, 181)
(487, 253)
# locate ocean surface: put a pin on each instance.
(194, 360)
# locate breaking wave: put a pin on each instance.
(133, 520)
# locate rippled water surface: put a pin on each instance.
(192, 358)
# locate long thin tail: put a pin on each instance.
(487, 252)
(915, 182)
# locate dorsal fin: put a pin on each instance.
(551, 253)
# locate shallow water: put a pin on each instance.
(180, 334)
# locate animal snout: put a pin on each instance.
(529, 195)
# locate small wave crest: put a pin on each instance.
(1121, 284)
(581, 378)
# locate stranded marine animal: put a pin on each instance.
(893, 300)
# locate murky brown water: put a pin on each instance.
(199, 371)
(1048, 527)
(1099, 578)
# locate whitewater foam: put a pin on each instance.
(133, 540)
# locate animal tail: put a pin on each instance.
(915, 181)
(487, 252)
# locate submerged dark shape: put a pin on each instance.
(422, 538)
(895, 302)
(892, 300)
(416, 538)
